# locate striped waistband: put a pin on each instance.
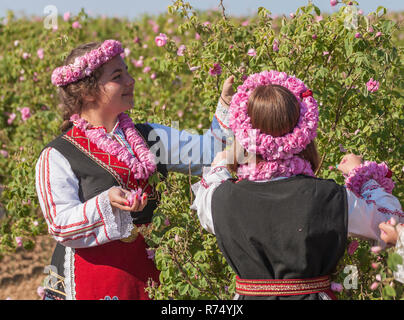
(281, 287)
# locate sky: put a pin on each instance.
(135, 8)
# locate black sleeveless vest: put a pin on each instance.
(93, 180)
(294, 228)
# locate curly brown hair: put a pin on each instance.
(72, 95)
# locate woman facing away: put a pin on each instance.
(92, 180)
(281, 229)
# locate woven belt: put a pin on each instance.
(281, 287)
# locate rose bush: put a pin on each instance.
(179, 61)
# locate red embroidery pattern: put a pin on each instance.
(115, 167)
(388, 211)
(370, 188)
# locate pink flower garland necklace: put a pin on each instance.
(279, 153)
(143, 167)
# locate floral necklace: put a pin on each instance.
(143, 166)
(266, 170)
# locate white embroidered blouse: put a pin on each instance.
(94, 222)
(364, 214)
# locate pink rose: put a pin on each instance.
(374, 286)
(40, 53)
(275, 46)
(181, 50)
(150, 254)
(333, 3)
(26, 55)
(76, 25)
(18, 240)
(376, 249)
(372, 85)
(337, 287)
(358, 35)
(295, 85)
(25, 113)
(4, 153)
(153, 76)
(11, 118)
(146, 69)
(352, 247)
(161, 40)
(66, 16)
(216, 70)
(251, 52)
(378, 34)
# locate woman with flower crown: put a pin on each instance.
(92, 180)
(281, 229)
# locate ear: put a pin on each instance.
(89, 99)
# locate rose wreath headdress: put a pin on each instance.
(85, 65)
(279, 153)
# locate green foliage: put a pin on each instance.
(324, 53)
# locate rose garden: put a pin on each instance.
(353, 63)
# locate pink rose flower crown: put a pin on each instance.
(279, 153)
(85, 65)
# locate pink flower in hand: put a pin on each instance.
(372, 85)
(161, 40)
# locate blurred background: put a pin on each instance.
(135, 8)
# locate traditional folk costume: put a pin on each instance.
(281, 229)
(100, 253)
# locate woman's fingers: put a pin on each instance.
(139, 203)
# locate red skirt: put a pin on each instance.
(115, 270)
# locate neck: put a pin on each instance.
(96, 119)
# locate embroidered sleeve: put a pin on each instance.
(70, 221)
(204, 189)
(185, 150)
(399, 274)
(373, 207)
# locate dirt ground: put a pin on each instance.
(22, 273)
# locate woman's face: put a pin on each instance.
(117, 87)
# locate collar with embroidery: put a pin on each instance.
(142, 166)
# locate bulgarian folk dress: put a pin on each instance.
(287, 228)
(99, 252)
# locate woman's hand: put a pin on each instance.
(118, 199)
(227, 92)
(389, 233)
(349, 162)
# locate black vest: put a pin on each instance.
(93, 180)
(294, 228)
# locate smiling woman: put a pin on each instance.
(93, 180)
